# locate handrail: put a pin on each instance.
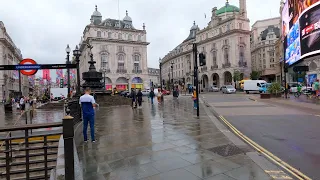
(31, 126)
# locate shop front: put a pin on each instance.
(137, 83)
(108, 84)
(122, 84)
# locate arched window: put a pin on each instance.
(119, 36)
(130, 37)
(120, 62)
(139, 38)
(104, 61)
(136, 62)
(226, 55)
(109, 34)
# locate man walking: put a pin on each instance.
(87, 104)
(151, 95)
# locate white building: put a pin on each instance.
(264, 35)
(226, 44)
(118, 48)
(10, 55)
(154, 76)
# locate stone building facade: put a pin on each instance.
(226, 44)
(154, 77)
(119, 49)
(264, 35)
(10, 55)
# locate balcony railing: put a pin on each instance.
(214, 67)
(121, 71)
(242, 64)
(136, 71)
(226, 65)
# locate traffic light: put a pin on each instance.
(286, 66)
(202, 59)
(61, 83)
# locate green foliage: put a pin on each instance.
(237, 76)
(274, 88)
(255, 75)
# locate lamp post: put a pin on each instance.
(68, 50)
(195, 54)
(172, 63)
(160, 73)
(77, 54)
(104, 70)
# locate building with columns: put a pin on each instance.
(10, 55)
(264, 35)
(226, 44)
(119, 49)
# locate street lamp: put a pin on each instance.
(160, 73)
(77, 54)
(104, 70)
(172, 63)
(68, 50)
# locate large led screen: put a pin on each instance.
(300, 29)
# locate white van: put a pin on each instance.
(253, 85)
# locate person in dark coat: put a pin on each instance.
(133, 96)
(139, 98)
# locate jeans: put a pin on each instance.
(90, 120)
(151, 100)
(195, 104)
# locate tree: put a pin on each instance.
(236, 77)
(255, 75)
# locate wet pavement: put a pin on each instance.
(288, 132)
(163, 142)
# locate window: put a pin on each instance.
(220, 30)
(241, 54)
(121, 62)
(228, 27)
(214, 46)
(226, 55)
(241, 40)
(226, 42)
(139, 37)
(130, 37)
(104, 61)
(98, 33)
(136, 64)
(109, 35)
(182, 72)
(119, 36)
(214, 58)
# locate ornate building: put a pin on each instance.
(119, 49)
(264, 35)
(154, 77)
(10, 55)
(225, 42)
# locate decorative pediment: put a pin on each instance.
(226, 46)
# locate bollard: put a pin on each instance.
(68, 135)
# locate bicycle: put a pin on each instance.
(297, 94)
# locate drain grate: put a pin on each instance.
(227, 150)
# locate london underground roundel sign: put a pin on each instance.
(27, 62)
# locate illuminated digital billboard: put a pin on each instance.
(300, 29)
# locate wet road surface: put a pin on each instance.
(162, 142)
(288, 133)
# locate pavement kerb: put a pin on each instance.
(294, 172)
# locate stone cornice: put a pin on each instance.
(120, 41)
(114, 28)
(175, 56)
(261, 46)
(12, 48)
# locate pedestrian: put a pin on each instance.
(194, 98)
(151, 95)
(22, 104)
(88, 103)
(175, 93)
(139, 98)
(133, 96)
(159, 96)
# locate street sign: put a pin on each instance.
(28, 71)
(301, 68)
(38, 66)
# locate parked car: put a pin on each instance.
(145, 92)
(264, 87)
(228, 89)
(214, 89)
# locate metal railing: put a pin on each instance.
(19, 135)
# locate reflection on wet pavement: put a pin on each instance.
(160, 142)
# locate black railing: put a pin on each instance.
(214, 67)
(121, 71)
(204, 69)
(136, 71)
(74, 109)
(29, 155)
(242, 64)
(226, 65)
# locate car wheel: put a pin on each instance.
(247, 92)
(261, 92)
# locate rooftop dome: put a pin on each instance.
(194, 27)
(96, 12)
(127, 18)
(227, 8)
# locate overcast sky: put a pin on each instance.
(43, 28)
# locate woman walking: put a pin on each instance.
(139, 98)
(159, 96)
(194, 98)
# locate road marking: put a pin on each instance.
(294, 172)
